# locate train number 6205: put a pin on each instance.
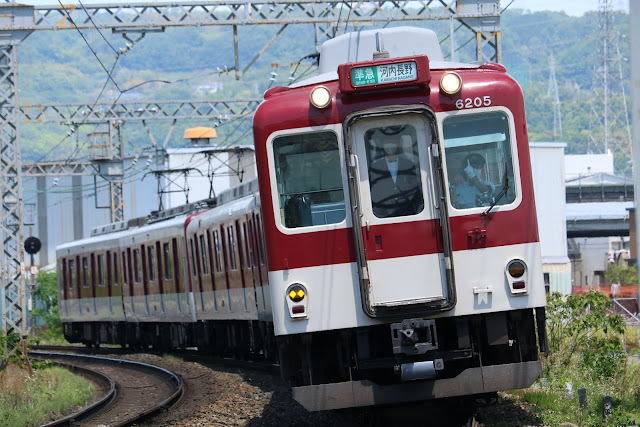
(476, 102)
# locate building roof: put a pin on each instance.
(587, 164)
(598, 180)
(597, 211)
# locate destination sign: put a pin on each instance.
(384, 73)
(387, 73)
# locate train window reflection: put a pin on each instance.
(85, 272)
(479, 160)
(309, 179)
(72, 274)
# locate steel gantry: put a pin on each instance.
(330, 18)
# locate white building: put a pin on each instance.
(547, 163)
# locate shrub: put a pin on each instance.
(581, 324)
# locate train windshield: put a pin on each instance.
(309, 179)
(479, 160)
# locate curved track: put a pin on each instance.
(132, 391)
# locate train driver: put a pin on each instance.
(470, 189)
(394, 182)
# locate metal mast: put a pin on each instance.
(14, 316)
(553, 92)
(609, 111)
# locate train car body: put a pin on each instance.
(388, 251)
(416, 288)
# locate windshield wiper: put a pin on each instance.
(500, 195)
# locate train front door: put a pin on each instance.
(396, 203)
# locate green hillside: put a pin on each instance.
(182, 63)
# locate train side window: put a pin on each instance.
(254, 243)
(125, 278)
(85, 272)
(93, 271)
(168, 270)
(309, 179)
(232, 248)
(65, 281)
(176, 263)
(203, 255)
(159, 266)
(260, 245)
(218, 250)
(109, 272)
(479, 160)
(245, 242)
(136, 265)
(152, 262)
(101, 271)
(72, 273)
(192, 258)
(116, 270)
(210, 252)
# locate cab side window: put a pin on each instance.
(309, 179)
(479, 160)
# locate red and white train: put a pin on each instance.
(389, 254)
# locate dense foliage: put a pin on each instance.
(182, 63)
(589, 348)
(46, 312)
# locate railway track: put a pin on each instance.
(131, 392)
(234, 392)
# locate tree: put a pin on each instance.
(48, 315)
(624, 276)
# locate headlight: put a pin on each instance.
(517, 276)
(516, 268)
(320, 97)
(450, 83)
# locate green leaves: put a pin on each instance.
(581, 324)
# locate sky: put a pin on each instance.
(571, 7)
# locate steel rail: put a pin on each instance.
(103, 402)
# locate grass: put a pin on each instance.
(30, 400)
(553, 408)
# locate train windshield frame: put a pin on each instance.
(480, 160)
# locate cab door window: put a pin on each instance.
(394, 171)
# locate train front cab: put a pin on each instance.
(385, 298)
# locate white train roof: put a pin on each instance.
(360, 46)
